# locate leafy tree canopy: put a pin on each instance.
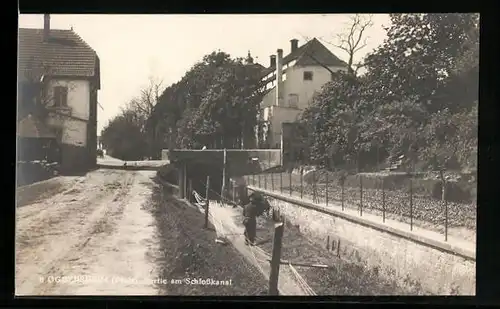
(215, 104)
(418, 99)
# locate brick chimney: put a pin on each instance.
(294, 44)
(46, 27)
(279, 78)
(273, 61)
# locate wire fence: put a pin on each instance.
(414, 201)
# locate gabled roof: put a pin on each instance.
(65, 53)
(317, 50)
(310, 54)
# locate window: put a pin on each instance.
(60, 96)
(308, 75)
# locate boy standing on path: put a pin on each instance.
(257, 206)
(250, 221)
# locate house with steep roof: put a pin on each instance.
(58, 82)
(291, 82)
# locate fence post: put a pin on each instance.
(234, 193)
(207, 204)
(411, 205)
(181, 175)
(383, 200)
(342, 194)
(259, 181)
(265, 181)
(361, 195)
(185, 182)
(290, 179)
(314, 186)
(281, 181)
(272, 181)
(190, 193)
(301, 182)
(445, 211)
(276, 259)
(224, 193)
(326, 189)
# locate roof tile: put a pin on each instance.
(64, 54)
(303, 55)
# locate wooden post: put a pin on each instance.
(272, 181)
(411, 205)
(281, 166)
(326, 189)
(328, 243)
(182, 176)
(190, 192)
(281, 181)
(342, 194)
(383, 199)
(269, 159)
(361, 195)
(443, 197)
(207, 203)
(234, 194)
(314, 186)
(290, 182)
(223, 189)
(276, 259)
(301, 182)
(185, 180)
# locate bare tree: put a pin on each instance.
(144, 104)
(142, 107)
(353, 39)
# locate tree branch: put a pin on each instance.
(352, 41)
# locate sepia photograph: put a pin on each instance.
(247, 155)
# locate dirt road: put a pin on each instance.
(96, 237)
(114, 232)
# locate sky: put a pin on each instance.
(134, 48)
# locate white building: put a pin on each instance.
(58, 71)
(291, 82)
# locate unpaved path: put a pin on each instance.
(189, 251)
(227, 222)
(97, 237)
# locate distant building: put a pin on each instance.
(291, 82)
(58, 81)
